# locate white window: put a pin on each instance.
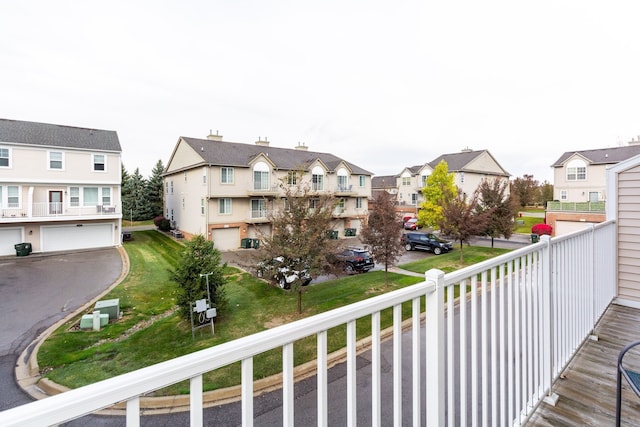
(56, 160)
(292, 178)
(224, 206)
(261, 176)
(166, 186)
(99, 164)
(317, 179)
(5, 157)
(13, 196)
(106, 196)
(171, 187)
(343, 180)
(414, 198)
(201, 206)
(226, 175)
(204, 175)
(424, 180)
(362, 181)
(358, 202)
(74, 196)
(258, 208)
(89, 196)
(576, 170)
(461, 176)
(406, 179)
(563, 194)
(340, 206)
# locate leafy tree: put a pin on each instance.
(440, 188)
(498, 206)
(526, 189)
(546, 193)
(381, 232)
(155, 190)
(300, 231)
(199, 257)
(140, 208)
(461, 220)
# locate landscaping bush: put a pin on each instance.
(541, 229)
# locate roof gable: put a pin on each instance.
(471, 161)
(49, 135)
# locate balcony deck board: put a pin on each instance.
(587, 390)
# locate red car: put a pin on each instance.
(411, 224)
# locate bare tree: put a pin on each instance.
(300, 232)
(460, 220)
(381, 232)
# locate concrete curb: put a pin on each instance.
(29, 379)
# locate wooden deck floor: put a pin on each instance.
(587, 393)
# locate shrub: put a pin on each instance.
(541, 229)
(156, 220)
(164, 225)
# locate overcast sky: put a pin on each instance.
(383, 85)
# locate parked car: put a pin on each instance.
(411, 224)
(356, 260)
(279, 272)
(426, 242)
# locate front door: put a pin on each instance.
(55, 202)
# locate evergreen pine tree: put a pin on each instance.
(155, 190)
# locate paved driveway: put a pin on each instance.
(38, 290)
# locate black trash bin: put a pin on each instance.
(245, 243)
(534, 238)
(22, 249)
(256, 243)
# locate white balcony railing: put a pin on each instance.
(488, 358)
(48, 210)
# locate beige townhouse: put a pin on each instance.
(226, 190)
(580, 186)
(59, 187)
(468, 167)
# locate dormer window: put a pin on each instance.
(261, 176)
(576, 170)
(343, 180)
(317, 179)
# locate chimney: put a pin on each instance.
(301, 146)
(466, 149)
(262, 143)
(213, 137)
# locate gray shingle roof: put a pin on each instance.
(383, 181)
(602, 156)
(240, 155)
(457, 162)
(44, 134)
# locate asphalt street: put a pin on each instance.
(37, 291)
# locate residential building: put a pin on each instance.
(59, 187)
(469, 168)
(227, 191)
(579, 186)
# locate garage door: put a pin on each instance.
(226, 239)
(71, 237)
(8, 238)
(566, 227)
(259, 231)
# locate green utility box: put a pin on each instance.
(246, 243)
(109, 306)
(534, 238)
(86, 322)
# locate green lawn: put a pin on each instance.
(150, 330)
(528, 223)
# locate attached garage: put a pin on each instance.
(256, 232)
(226, 239)
(76, 236)
(8, 238)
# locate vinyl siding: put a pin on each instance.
(629, 234)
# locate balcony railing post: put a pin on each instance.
(434, 342)
(547, 322)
